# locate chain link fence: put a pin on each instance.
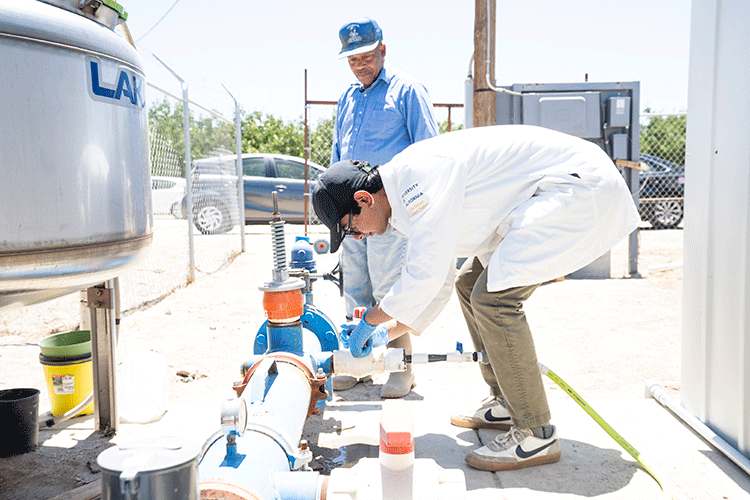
(320, 115)
(217, 217)
(165, 267)
(662, 147)
(180, 251)
(662, 180)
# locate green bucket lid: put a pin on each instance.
(66, 345)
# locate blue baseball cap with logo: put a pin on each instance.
(358, 37)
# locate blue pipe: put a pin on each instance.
(316, 338)
(258, 457)
(278, 397)
(291, 338)
(313, 321)
(264, 454)
(285, 337)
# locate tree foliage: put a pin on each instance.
(267, 134)
(443, 127)
(664, 137)
(321, 138)
(208, 136)
(261, 133)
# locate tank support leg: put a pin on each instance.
(101, 302)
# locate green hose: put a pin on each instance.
(604, 425)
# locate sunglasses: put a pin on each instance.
(348, 229)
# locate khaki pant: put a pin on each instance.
(497, 324)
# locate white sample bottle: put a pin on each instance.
(396, 451)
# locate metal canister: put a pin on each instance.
(74, 154)
(165, 468)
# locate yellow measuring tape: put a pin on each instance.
(604, 425)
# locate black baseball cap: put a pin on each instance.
(333, 196)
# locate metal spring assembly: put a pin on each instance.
(280, 271)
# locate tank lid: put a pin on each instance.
(61, 22)
(106, 12)
(148, 455)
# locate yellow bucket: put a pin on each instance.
(69, 382)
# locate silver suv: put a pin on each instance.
(214, 189)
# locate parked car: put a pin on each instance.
(166, 194)
(662, 192)
(214, 189)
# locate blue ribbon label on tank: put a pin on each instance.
(115, 84)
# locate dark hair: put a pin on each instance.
(372, 184)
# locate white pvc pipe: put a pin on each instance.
(43, 424)
(656, 391)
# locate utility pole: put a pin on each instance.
(484, 44)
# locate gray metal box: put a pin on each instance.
(575, 113)
(600, 268)
(620, 146)
(618, 111)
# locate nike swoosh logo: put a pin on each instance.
(489, 417)
(526, 454)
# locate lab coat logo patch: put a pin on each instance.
(414, 199)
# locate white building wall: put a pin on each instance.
(716, 286)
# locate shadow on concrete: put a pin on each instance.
(370, 391)
(583, 470)
(728, 467)
(61, 450)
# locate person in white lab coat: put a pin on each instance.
(524, 205)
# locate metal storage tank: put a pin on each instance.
(75, 195)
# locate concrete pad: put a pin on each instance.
(604, 337)
(593, 464)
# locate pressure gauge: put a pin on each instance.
(234, 417)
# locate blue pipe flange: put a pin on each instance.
(313, 320)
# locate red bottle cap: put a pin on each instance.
(396, 428)
(359, 312)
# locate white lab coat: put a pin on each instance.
(531, 203)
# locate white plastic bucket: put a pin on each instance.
(143, 393)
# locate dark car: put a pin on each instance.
(214, 188)
(662, 192)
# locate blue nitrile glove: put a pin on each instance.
(346, 333)
(366, 336)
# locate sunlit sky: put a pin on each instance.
(259, 50)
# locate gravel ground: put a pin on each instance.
(604, 336)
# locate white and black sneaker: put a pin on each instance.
(491, 414)
(516, 449)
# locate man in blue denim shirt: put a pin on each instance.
(376, 119)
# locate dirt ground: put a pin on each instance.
(605, 336)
